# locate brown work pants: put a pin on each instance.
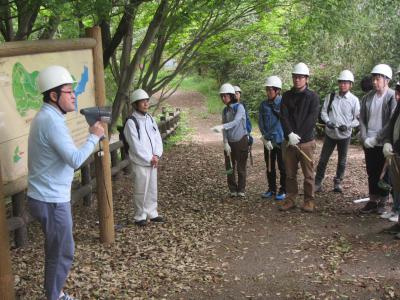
(292, 157)
(239, 155)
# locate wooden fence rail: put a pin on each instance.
(82, 188)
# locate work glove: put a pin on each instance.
(294, 139)
(342, 128)
(227, 148)
(387, 150)
(218, 128)
(370, 142)
(330, 125)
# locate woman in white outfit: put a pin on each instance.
(145, 149)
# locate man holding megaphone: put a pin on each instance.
(52, 159)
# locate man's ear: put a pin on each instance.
(53, 96)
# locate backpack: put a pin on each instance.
(248, 122)
(332, 96)
(121, 129)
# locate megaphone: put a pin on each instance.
(96, 113)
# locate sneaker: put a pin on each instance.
(318, 188)
(369, 208)
(394, 218)
(387, 215)
(338, 188)
(140, 223)
(394, 229)
(267, 194)
(397, 236)
(233, 194)
(157, 219)
(242, 195)
(280, 196)
(66, 297)
(381, 208)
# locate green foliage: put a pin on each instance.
(182, 133)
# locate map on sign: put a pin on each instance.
(21, 99)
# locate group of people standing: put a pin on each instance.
(287, 124)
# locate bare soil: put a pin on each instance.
(216, 247)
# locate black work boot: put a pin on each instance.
(337, 186)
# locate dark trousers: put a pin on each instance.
(374, 161)
(327, 149)
(275, 155)
(56, 222)
(239, 155)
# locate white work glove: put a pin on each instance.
(387, 149)
(227, 148)
(217, 128)
(294, 139)
(370, 142)
(268, 145)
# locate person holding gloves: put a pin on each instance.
(235, 140)
(145, 150)
(376, 109)
(272, 137)
(52, 159)
(299, 113)
(340, 113)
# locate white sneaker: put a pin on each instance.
(395, 218)
(233, 194)
(387, 215)
(241, 194)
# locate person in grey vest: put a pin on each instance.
(376, 109)
(340, 113)
(52, 159)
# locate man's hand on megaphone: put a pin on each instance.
(97, 129)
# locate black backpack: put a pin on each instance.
(332, 96)
(122, 135)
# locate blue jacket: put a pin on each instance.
(268, 121)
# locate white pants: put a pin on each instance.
(145, 192)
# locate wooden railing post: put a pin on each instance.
(18, 209)
(86, 179)
(6, 276)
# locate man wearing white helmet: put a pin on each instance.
(391, 151)
(235, 140)
(340, 114)
(300, 109)
(145, 149)
(376, 109)
(52, 159)
(272, 137)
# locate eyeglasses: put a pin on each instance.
(68, 92)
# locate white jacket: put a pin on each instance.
(141, 150)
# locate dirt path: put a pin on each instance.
(216, 247)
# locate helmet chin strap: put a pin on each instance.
(58, 104)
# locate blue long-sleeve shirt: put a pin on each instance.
(53, 156)
(268, 121)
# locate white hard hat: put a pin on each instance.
(237, 89)
(227, 88)
(346, 75)
(382, 69)
(273, 81)
(52, 77)
(138, 94)
(301, 69)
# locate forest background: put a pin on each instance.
(157, 45)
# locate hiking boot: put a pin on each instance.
(369, 208)
(394, 229)
(308, 206)
(287, 204)
(267, 194)
(280, 196)
(337, 186)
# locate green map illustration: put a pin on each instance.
(25, 90)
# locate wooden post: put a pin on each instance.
(6, 276)
(86, 178)
(18, 207)
(102, 159)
